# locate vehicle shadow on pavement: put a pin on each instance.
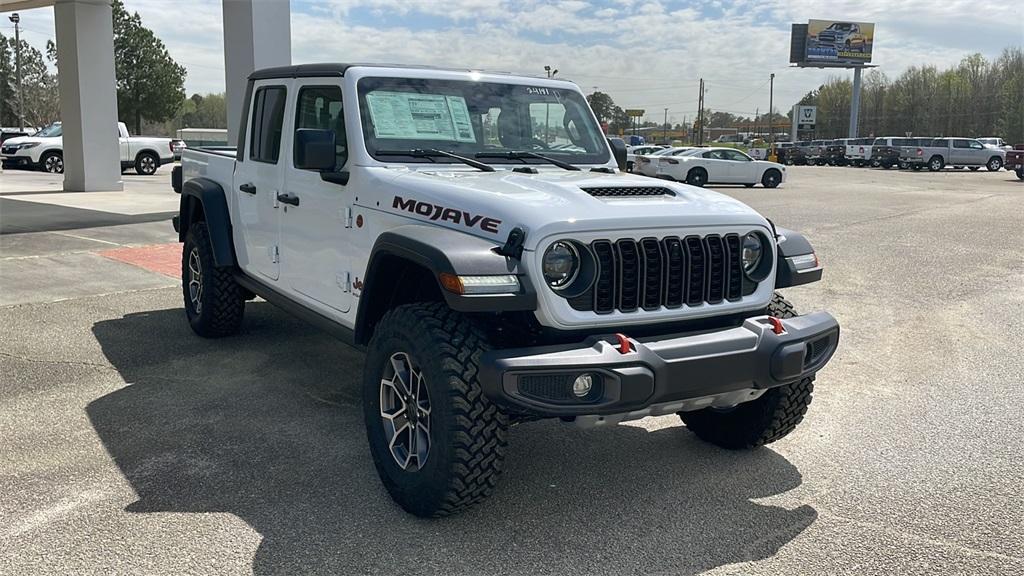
(267, 426)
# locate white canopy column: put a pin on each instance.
(257, 34)
(88, 95)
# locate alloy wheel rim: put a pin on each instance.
(54, 164)
(405, 412)
(148, 166)
(195, 281)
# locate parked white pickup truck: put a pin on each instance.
(45, 150)
(476, 235)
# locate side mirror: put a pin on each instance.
(618, 151)
(314, 149)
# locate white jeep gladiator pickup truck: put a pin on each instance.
(476, 235)
(45, 150)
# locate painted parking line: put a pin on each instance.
(161, 258)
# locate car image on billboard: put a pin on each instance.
(838, 42)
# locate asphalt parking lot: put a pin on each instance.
(132, 446)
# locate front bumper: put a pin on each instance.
(689, 371)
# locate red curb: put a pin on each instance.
(161, 258)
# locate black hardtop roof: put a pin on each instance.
(338, 69)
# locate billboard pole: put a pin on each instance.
(855, 103)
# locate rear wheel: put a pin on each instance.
(437, 442)
(936, 163)
(751, 424)
(214, 302)
(697, 177)
(994, 164)
(146, 163)
(771, 179)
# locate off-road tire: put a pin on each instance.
(771, 178)
(222, 301)
(467, 432)
(751, 424)
(146, 163)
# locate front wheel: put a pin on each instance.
(1020, 173)
(52, 162)
(771, 179)
(437, 442)
(756, 423)
(994, 164)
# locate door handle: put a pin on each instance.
(247, 188)
(288, 199)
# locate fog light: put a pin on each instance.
(582, 385)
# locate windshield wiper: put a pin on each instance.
(432, 153)
(521, 154)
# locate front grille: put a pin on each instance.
(670, 272)
(8, 150)
(622, 191)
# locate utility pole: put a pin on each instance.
(771, 110)
(665, 126)
(700, 114)
(17, 65)
(547, 107)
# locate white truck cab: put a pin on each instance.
(477, 235)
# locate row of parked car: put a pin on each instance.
(698, 166)
(894, 151)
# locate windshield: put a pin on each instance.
(477, 119)
(51, 131)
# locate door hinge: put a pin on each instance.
(275, 255)
(347, 217)
(345, 282)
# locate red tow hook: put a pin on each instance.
(777, 326)
(624, 347)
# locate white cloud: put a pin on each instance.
(646, 54)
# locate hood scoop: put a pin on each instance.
(628, 191)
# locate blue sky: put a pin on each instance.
(646, 54)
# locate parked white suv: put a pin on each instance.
(475, 234)
(45, 150)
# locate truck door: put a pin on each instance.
(978, 153)
(122, 141)
(960, 152)
(259, 178)
(316, 227)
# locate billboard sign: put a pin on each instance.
(838, 43)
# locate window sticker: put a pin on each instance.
(413, 116)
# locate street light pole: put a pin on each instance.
(665, 126)
(17, 66)
(771, 102)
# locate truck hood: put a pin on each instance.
(490, 204)
(30, 139)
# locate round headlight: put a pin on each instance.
(560, 265)
(751, 252)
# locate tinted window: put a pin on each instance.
(320, 107)
(267, 120)
(878, 142)
(734, 155)
(961, 144)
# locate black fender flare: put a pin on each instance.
(790, 244)
(441, 250)
(202, 195)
